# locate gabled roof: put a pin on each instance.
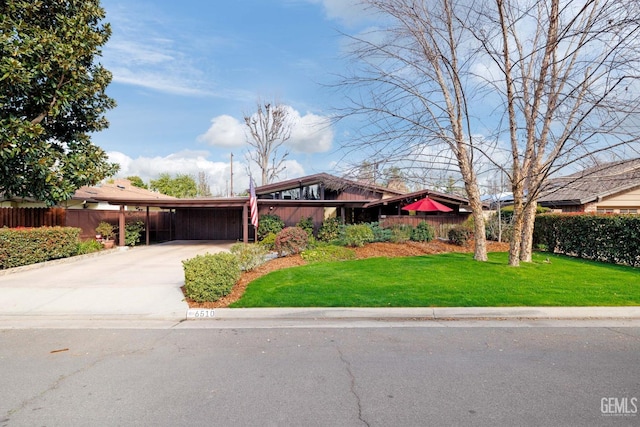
(118, 189)
(593, 183)
(330, 182)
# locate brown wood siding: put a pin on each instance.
(32, 217)
(208, 224)
(88, 219)
(440, 223)
(291, 214)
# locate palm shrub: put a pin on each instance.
(210, 277)
(291, 241)
(269, 224)
(358, 235)
(423, 232)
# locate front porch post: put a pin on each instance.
(245, 223)
(146, 225)
(121, 227)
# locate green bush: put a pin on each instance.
(358, 235)
(89, 246)
(607, 238)
(269, 224)
(268, 242)
(249, 256)
(330, 230)
(423, 232)
(380, 234)
(132, 232)
(307, 225)
(328, 253)
(291, 241)
(210, 277)
(459, 235)
(105, 230)
(24, 246)
(401, 233)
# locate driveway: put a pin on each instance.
(141, 283)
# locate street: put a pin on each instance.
(341, 376)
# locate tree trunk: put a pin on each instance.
(480, 237)
(526, 244)
(518, 220)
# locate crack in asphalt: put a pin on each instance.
(353, 385)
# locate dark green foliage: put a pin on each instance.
(401, 233)
(291, 241)
(24, 246)
(133, 232)
(459, 235)
(89, 246)
(608, 238)
(306, 224)
(249, 256)
(423, 232)
(210, 277)
(52, 97)
(182, 186)
(357, 235)
(328, 253)
(330, 230)
(269, 224)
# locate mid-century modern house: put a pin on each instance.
(608, 188)
(318, 196)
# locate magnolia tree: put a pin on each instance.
(536, 85)
(52, 97)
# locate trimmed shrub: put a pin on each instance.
(249, 256)
(291, 241)
(423, 232)
(24, 246)
(89, 246)
(269, 224)
(210, 277)
(607, 238)
(330, 230)
(269, 242)
(358, 235)
(307, 225)
(459, 235)
(105, 230)
(380, 234)
(328, 253)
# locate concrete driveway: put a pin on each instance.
(141, 283)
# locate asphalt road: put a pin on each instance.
(384, 376)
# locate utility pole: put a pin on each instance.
(231, 186)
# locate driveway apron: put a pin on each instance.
(141, 283)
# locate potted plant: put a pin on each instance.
(106, 232)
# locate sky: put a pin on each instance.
(185, 73)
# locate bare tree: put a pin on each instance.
(556, 81)
(204, 189)
(269, 128)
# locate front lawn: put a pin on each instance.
(447, 280)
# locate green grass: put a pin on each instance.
(449, 280)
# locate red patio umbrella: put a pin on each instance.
(427, 205)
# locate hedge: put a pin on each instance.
(210, 277)
(608, 238)
(24, 246)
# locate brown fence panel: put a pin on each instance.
(208, 224)
(440, 223)
(88, 219)
(32, 217)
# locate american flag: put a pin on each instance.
(253, 202)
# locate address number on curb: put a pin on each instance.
(200, 313)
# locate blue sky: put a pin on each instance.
(185, 73)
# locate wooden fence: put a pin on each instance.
(32, 217)
(441, 223)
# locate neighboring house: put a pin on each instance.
(93, 197)
(608, 188)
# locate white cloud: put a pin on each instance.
(191, 163)
(349, 12)
(225, 131)
(311, 133)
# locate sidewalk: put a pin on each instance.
(142, 286)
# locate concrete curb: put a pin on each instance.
(427, 313)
